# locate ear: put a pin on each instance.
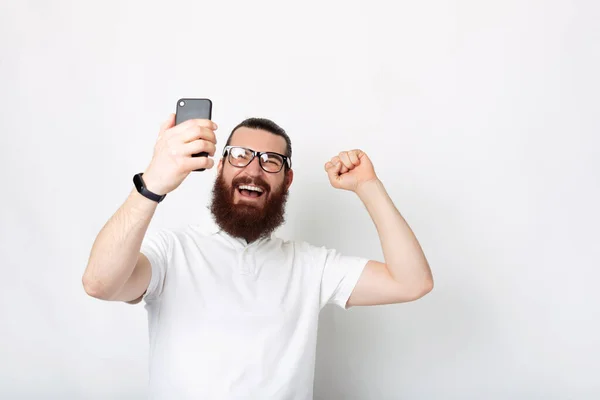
(220, 166)
(289, 177)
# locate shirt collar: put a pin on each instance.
(217, 231)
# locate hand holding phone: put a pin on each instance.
(184, 144)
(193, 109)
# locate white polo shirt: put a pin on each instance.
(231, 320)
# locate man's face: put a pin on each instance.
(243, 213)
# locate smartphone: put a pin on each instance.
(193, 109)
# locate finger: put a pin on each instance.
(329, 165)
(194, 163)
(335, 160)
(196, 132)
(354, 157)
(202, 123)
(333, 171)
(345, 158)
(198, 146)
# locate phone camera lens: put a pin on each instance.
(182, 103)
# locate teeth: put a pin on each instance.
(253, 188)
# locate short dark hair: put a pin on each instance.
(265, 125)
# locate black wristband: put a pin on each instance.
(141, 188)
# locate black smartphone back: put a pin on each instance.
(193, 109)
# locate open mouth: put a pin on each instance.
(250, 191)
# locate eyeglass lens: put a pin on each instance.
(241, 157)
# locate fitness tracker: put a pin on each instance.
(141, 188)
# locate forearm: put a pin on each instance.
(402, 252)
(116, 249)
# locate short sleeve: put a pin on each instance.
(157, 247)
(340, 274)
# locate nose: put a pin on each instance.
(254, 168)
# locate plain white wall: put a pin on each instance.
(481, 119)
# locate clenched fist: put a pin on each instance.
(350, 169)
(172, 160)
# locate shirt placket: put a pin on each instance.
(246, 261)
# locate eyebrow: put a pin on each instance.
(260, 151)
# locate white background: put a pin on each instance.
(481, 118)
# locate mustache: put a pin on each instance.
(244, 220)
(246, 180)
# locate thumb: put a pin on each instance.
(333, 171)
(168, 124)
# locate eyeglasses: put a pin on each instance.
(269, 161)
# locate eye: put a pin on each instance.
(238, 152)
(274, 159)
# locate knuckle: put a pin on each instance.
(189, 130)
(211, 148)
(198, 144)
(207, 123)
(205, 132)
(204, 146)
(183, 126)
(209, 135)
(205, 162)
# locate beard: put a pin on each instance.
(248, 221)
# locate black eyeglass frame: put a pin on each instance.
(287, 161)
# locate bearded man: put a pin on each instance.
(233, 312)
